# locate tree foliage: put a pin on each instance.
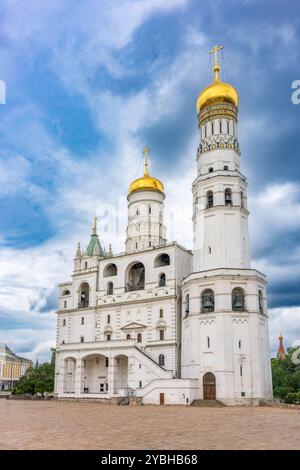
(38, 379)
(286, 378)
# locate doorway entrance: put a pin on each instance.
(209, 386)
(161, 398)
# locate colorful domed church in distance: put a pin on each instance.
(162, 324)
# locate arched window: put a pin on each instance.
(161, 360)
(139, 337)
(228, 197)
(260, 301)
(161, 334)
(240, 344)
(84, 292)
(85, 265)
(207, 301)
(242, 199)
(238, 299)
(110, 270)
(135, 277)
(187, 304)
(110, 288)
(208, 342)
(209, 199)
(162, 280)
(127, 336)
(162, 260)
(66, 292)
(225, 167)
(210, 170)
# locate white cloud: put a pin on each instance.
(285, 321)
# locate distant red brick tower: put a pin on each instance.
(281, 350)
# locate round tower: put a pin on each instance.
(145, 227)
(220, 216)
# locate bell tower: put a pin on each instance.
(225, 341)
(220, 215)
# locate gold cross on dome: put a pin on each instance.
(146, 155)
(215, 52)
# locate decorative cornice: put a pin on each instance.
(219, 141)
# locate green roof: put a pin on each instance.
(94, 247)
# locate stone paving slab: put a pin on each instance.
(71, 425)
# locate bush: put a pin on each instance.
(292, 397)
(282, 391)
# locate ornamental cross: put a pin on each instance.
(95, 225)
(215, 52)
(146, 154)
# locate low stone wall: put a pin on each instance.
(279, 404)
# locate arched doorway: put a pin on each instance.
(209, 386)
(95, 374)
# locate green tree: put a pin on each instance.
(38, 379)
(286, 378)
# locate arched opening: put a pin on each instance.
(228, 197)
(226, 168)
(95, 374)
(162, 280)
(121, 375)
(139, 337)
(110, 270)
(85, 265)
(209, 199)
(210, 170)
(66, 292)
(238, 299)
(84, 294)
(135, 279)
(209, 386)
(128, 336)
(69, 379)
(162, 260)
(161, 360)
(260, 301)
(207, 301)
(110, 288)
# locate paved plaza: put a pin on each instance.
(71, 425)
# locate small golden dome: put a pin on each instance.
(218, 91)
(146, 182)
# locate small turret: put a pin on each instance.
(78, 252)
(281, 351)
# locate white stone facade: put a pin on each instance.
(160, 322)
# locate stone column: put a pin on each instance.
(131, 373)
(111, 375)
(78, 383)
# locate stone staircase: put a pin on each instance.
(208, 403)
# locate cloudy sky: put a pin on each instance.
(88, 85)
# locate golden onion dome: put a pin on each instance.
(146, 182)
(218, 91)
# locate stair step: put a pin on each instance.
(207, 403)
